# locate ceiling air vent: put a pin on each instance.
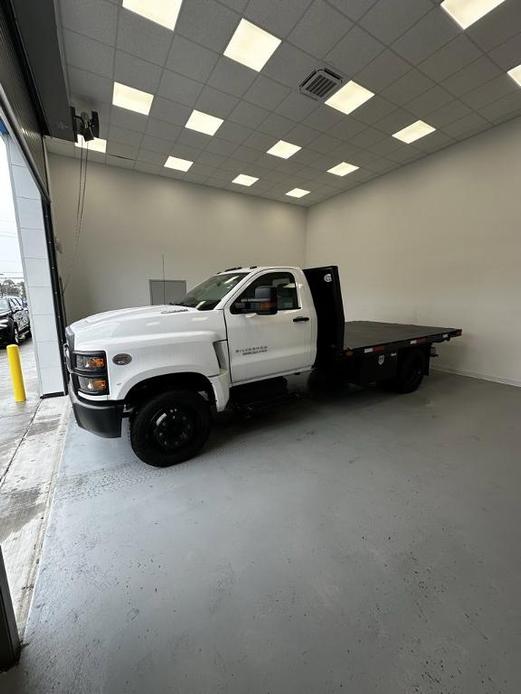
(320, 83)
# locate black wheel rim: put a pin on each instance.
(172, 428)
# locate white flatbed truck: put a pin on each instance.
(231, 341)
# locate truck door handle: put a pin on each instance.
(301, 319)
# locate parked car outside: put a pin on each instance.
(14, 320)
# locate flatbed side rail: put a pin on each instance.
(445, 336)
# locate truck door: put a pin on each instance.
(264, 346)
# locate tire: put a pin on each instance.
(170, 428)
(411, 369)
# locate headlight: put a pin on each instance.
(90, 362)
(93, 385)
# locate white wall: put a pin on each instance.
(132, 218)
(37, 275)
(437, 242)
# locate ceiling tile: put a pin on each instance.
(499, 26)
(302, 135)
(266, 93)
(260, 141)
(156, 144)
(382, 71)
(127, 137)
(467, 126)
(184, 151)
(233, 132)
(119, 161)
(508, 55)
(276, 125)
(289, 65)
(275, 16)
(388, 20)
(491, 91)
(231, 77)
(296, 106)
(210, 159)
(216, 103)
(208, 23)
(374, 110)
(450, 58)
(248, 114)
(356, 50)
(429, 101)
(325, 144)
(151, 157)
(136, 73)
(503, 109)
(166, 110)
(162, 129)
(178, 88)
(433, 142)
(407, 87)
(368, 137)
(448, 113)
(432, 32)
(346, 128)
(84, 52)
(96, 18)
(124, 118)
(323, 118)
(140, 37)
(247, 154)
(404, 155)
(319, 29)
(93, 88)
(354, 9)
(192, 138)
(120, 149)
(191, 60)
(219, 146)
(386, 146)
(474, 75)
(395, 121)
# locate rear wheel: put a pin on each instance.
(170, 427)
(411, 369)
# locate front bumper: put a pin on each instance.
(5, 334)
(101, 418)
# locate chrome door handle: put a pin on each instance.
(301, 319)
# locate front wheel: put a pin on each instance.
(170, 427)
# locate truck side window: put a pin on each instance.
(287, 298)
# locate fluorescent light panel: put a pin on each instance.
(343, 169)
(251, 46)
(203, 122)
(244, 180)
(162, 12)
(132, 99)
(178, 164)
(515, 74)
(95, 145)
(466, 12)
(349, 97)
(283, 149)
(414, 131)
(297, 193)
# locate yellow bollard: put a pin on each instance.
(15, 368)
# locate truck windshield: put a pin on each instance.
(207, 295)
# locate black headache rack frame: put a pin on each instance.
(337, 338)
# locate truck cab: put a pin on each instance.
(169, 368)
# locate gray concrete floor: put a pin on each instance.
(367, 543)
(15, 417)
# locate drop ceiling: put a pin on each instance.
(418, 62)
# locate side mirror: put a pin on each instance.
(264, 303)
